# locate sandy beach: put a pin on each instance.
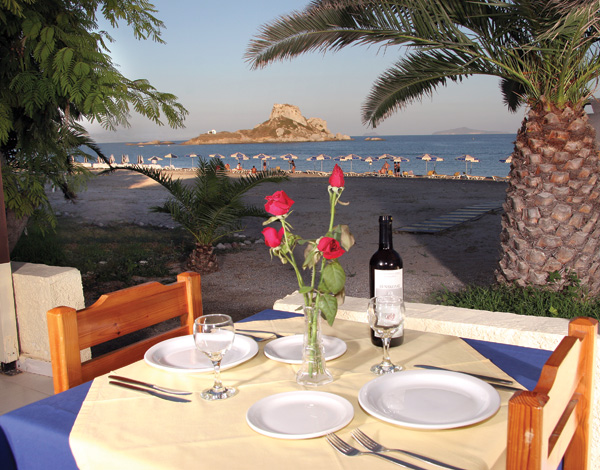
(250, 281)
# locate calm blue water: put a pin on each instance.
(489, 148)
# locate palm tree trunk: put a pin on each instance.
(551, 220)
(203, 259)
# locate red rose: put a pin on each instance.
(278, 204)
(272, 237)
(337, 177)
(330, 248)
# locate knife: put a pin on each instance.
(487, 378)
(145, 384)
(150, 392)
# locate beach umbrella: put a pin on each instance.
(262, 156)
(289, 156)
(111, 160)
(321, 157)
(192, 155)
(154, 160)
(430, 158)
(170, 156)
(140, 160)
(468, 159)
(370, 160)
(124, 159)
(385, 156)
(239, 155)
(351, 157)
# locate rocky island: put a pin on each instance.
(286, 124)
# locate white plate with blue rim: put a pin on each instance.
(300, 414)
(429, 399)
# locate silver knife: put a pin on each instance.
(487, 378)
(150, 392)
(146, 384)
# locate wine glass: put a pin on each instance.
(386, 317)
(213, 335)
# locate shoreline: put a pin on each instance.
(464, 254)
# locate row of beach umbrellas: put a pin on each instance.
(468, 159)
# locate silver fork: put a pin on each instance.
(373, 446)
(346, 449)
(248, 333)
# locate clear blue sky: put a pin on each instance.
(202, 63)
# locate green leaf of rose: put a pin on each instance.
(328, 306)
(305, 289)
(333, 277)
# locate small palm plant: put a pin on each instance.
(211, 207)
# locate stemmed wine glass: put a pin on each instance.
(213, 335)
(386, 317)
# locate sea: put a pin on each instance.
(488, 149)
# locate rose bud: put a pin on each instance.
(337, 177)
(272, 237)
(278, 204)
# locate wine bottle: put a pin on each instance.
(385, 274)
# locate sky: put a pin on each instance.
(203, 64)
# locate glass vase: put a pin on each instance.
(314, 370)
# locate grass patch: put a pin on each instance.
(118, 254)
(568, 303)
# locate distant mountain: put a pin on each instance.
(465, 130)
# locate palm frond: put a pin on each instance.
(211, 205)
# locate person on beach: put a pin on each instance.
(239, 166)
(227, 167)
(396, 169)
(264, 165)
(293, 166)
(253, 170)
(384, 168)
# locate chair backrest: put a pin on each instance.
(114, 315)
(553, 421)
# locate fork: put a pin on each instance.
(373, 446)
(272, 333)
(346, 449)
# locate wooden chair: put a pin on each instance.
(114, 315)
(554, 420)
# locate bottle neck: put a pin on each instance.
(385, 234)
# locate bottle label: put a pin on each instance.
(388, 282)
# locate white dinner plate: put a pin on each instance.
(429, 399)
(289, 348)
(299, 415)
(180, 354)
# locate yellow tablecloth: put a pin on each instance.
(122, 429)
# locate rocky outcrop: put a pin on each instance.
(286, 124)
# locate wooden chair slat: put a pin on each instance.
(122, 357)
(553, 422)
(113, 316)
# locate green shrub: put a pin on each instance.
(569, 302)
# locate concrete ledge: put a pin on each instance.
(498, 327)
(38, 288)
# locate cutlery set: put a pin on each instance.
(151, 389)
(377, 450)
